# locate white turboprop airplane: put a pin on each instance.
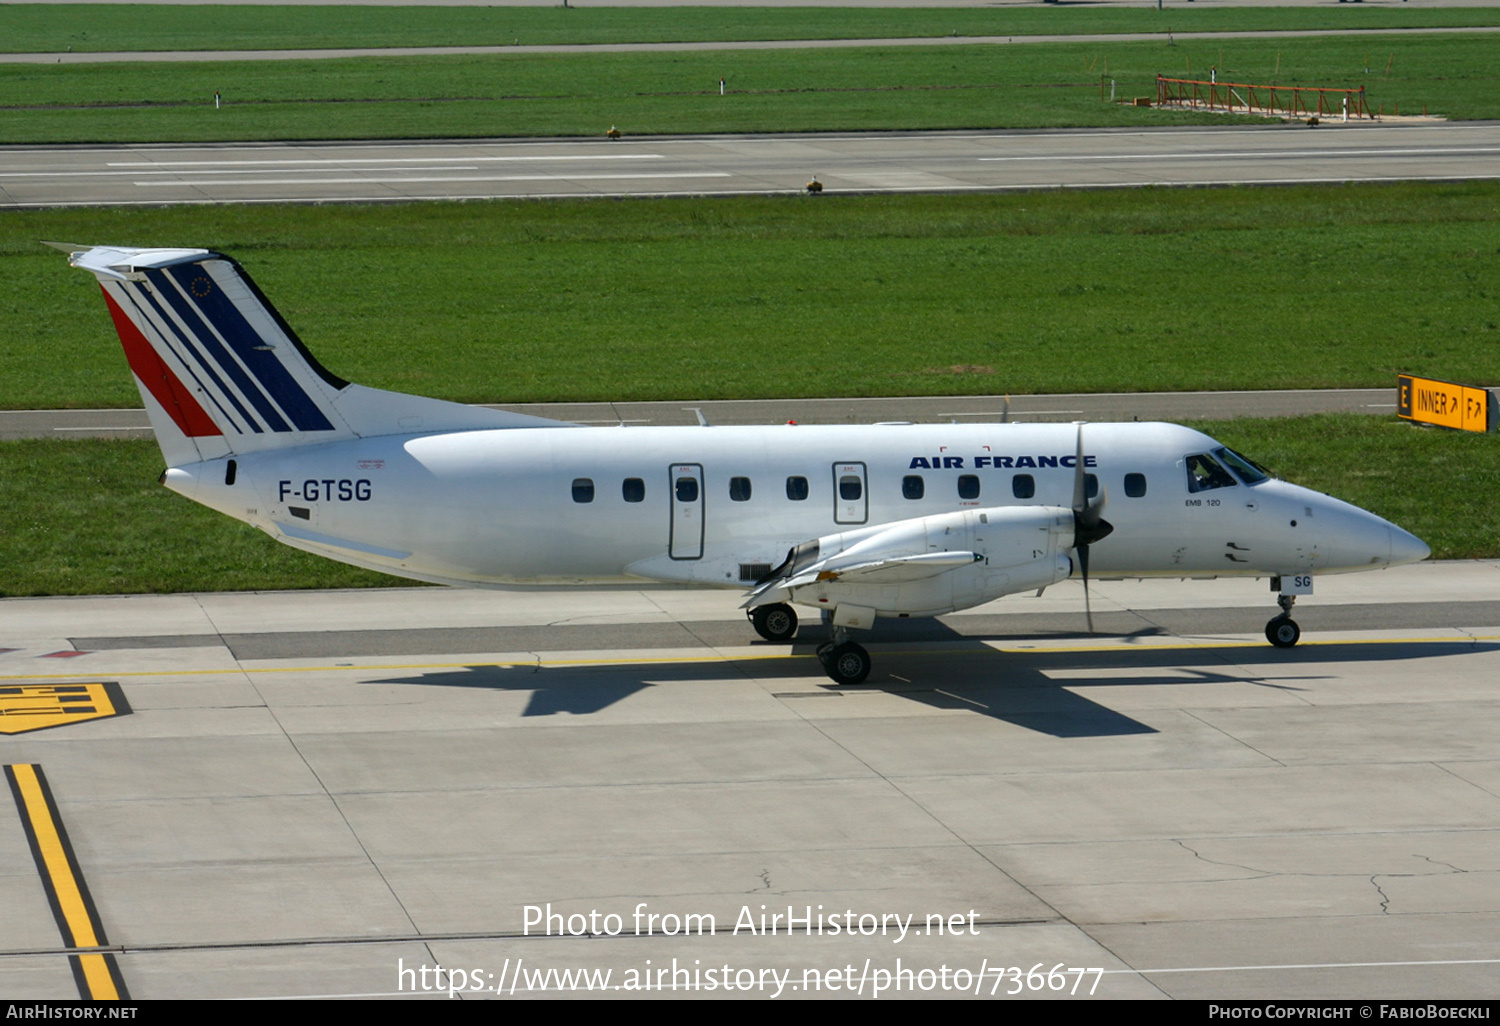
(892, 520)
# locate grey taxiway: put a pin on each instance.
(319, 795)
(967, 409)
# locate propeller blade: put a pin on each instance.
(1080, 487)
(1089, 524)
(1083, 567)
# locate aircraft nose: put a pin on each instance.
(1350, 538)
(1407, 548)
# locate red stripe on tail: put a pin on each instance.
(177, 400)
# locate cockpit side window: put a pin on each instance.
(1245, 468)
(1205, 473)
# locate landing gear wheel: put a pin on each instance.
(776, 622)
(847, 663)
(1282, 631)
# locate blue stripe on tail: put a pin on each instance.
(271, 380)
(150, 308)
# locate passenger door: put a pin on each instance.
(685, 484)
(851, 501)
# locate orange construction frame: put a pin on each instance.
(1243, 97)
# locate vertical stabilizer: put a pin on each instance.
(221, 373)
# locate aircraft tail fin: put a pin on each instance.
(220, 372)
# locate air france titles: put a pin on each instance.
(945, 462)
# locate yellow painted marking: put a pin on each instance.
(38, 706)
(101, 982)
(65, 885)
(1040, 649)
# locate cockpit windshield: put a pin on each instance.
(1207, 471)
(1247, 469)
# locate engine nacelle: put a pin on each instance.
(927, 566)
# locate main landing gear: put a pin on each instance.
(1282, 631)
(776, 622)
(843, 660)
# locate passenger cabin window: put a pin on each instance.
(633, 490)
(913, 486)
(796, 488)
(850, 488)
(1135, 485)
(739, 489)
(687, 489)
(968, 486)
(1205, 474)
(1023, 486)
(1091, 485)
(583, 489)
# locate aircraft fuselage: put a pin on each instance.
(709, 505)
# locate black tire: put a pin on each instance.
(776, 622)
(1283, 632)
(847, 664)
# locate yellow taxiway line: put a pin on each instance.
(96, 973)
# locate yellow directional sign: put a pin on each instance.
(26, 707)
(1443, 403)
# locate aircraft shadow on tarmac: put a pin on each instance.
(946, 670)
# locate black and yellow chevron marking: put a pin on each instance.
(95, 972)
(26, 707)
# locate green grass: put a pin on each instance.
(87, 517)
(1135, 290)
(858, 88)
(95, 27)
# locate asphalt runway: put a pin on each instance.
(1263, 154)
(330, 794)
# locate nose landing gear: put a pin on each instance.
(1282, 631)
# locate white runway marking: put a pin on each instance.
(460, 178)
(1253, 154)
(378, 160)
